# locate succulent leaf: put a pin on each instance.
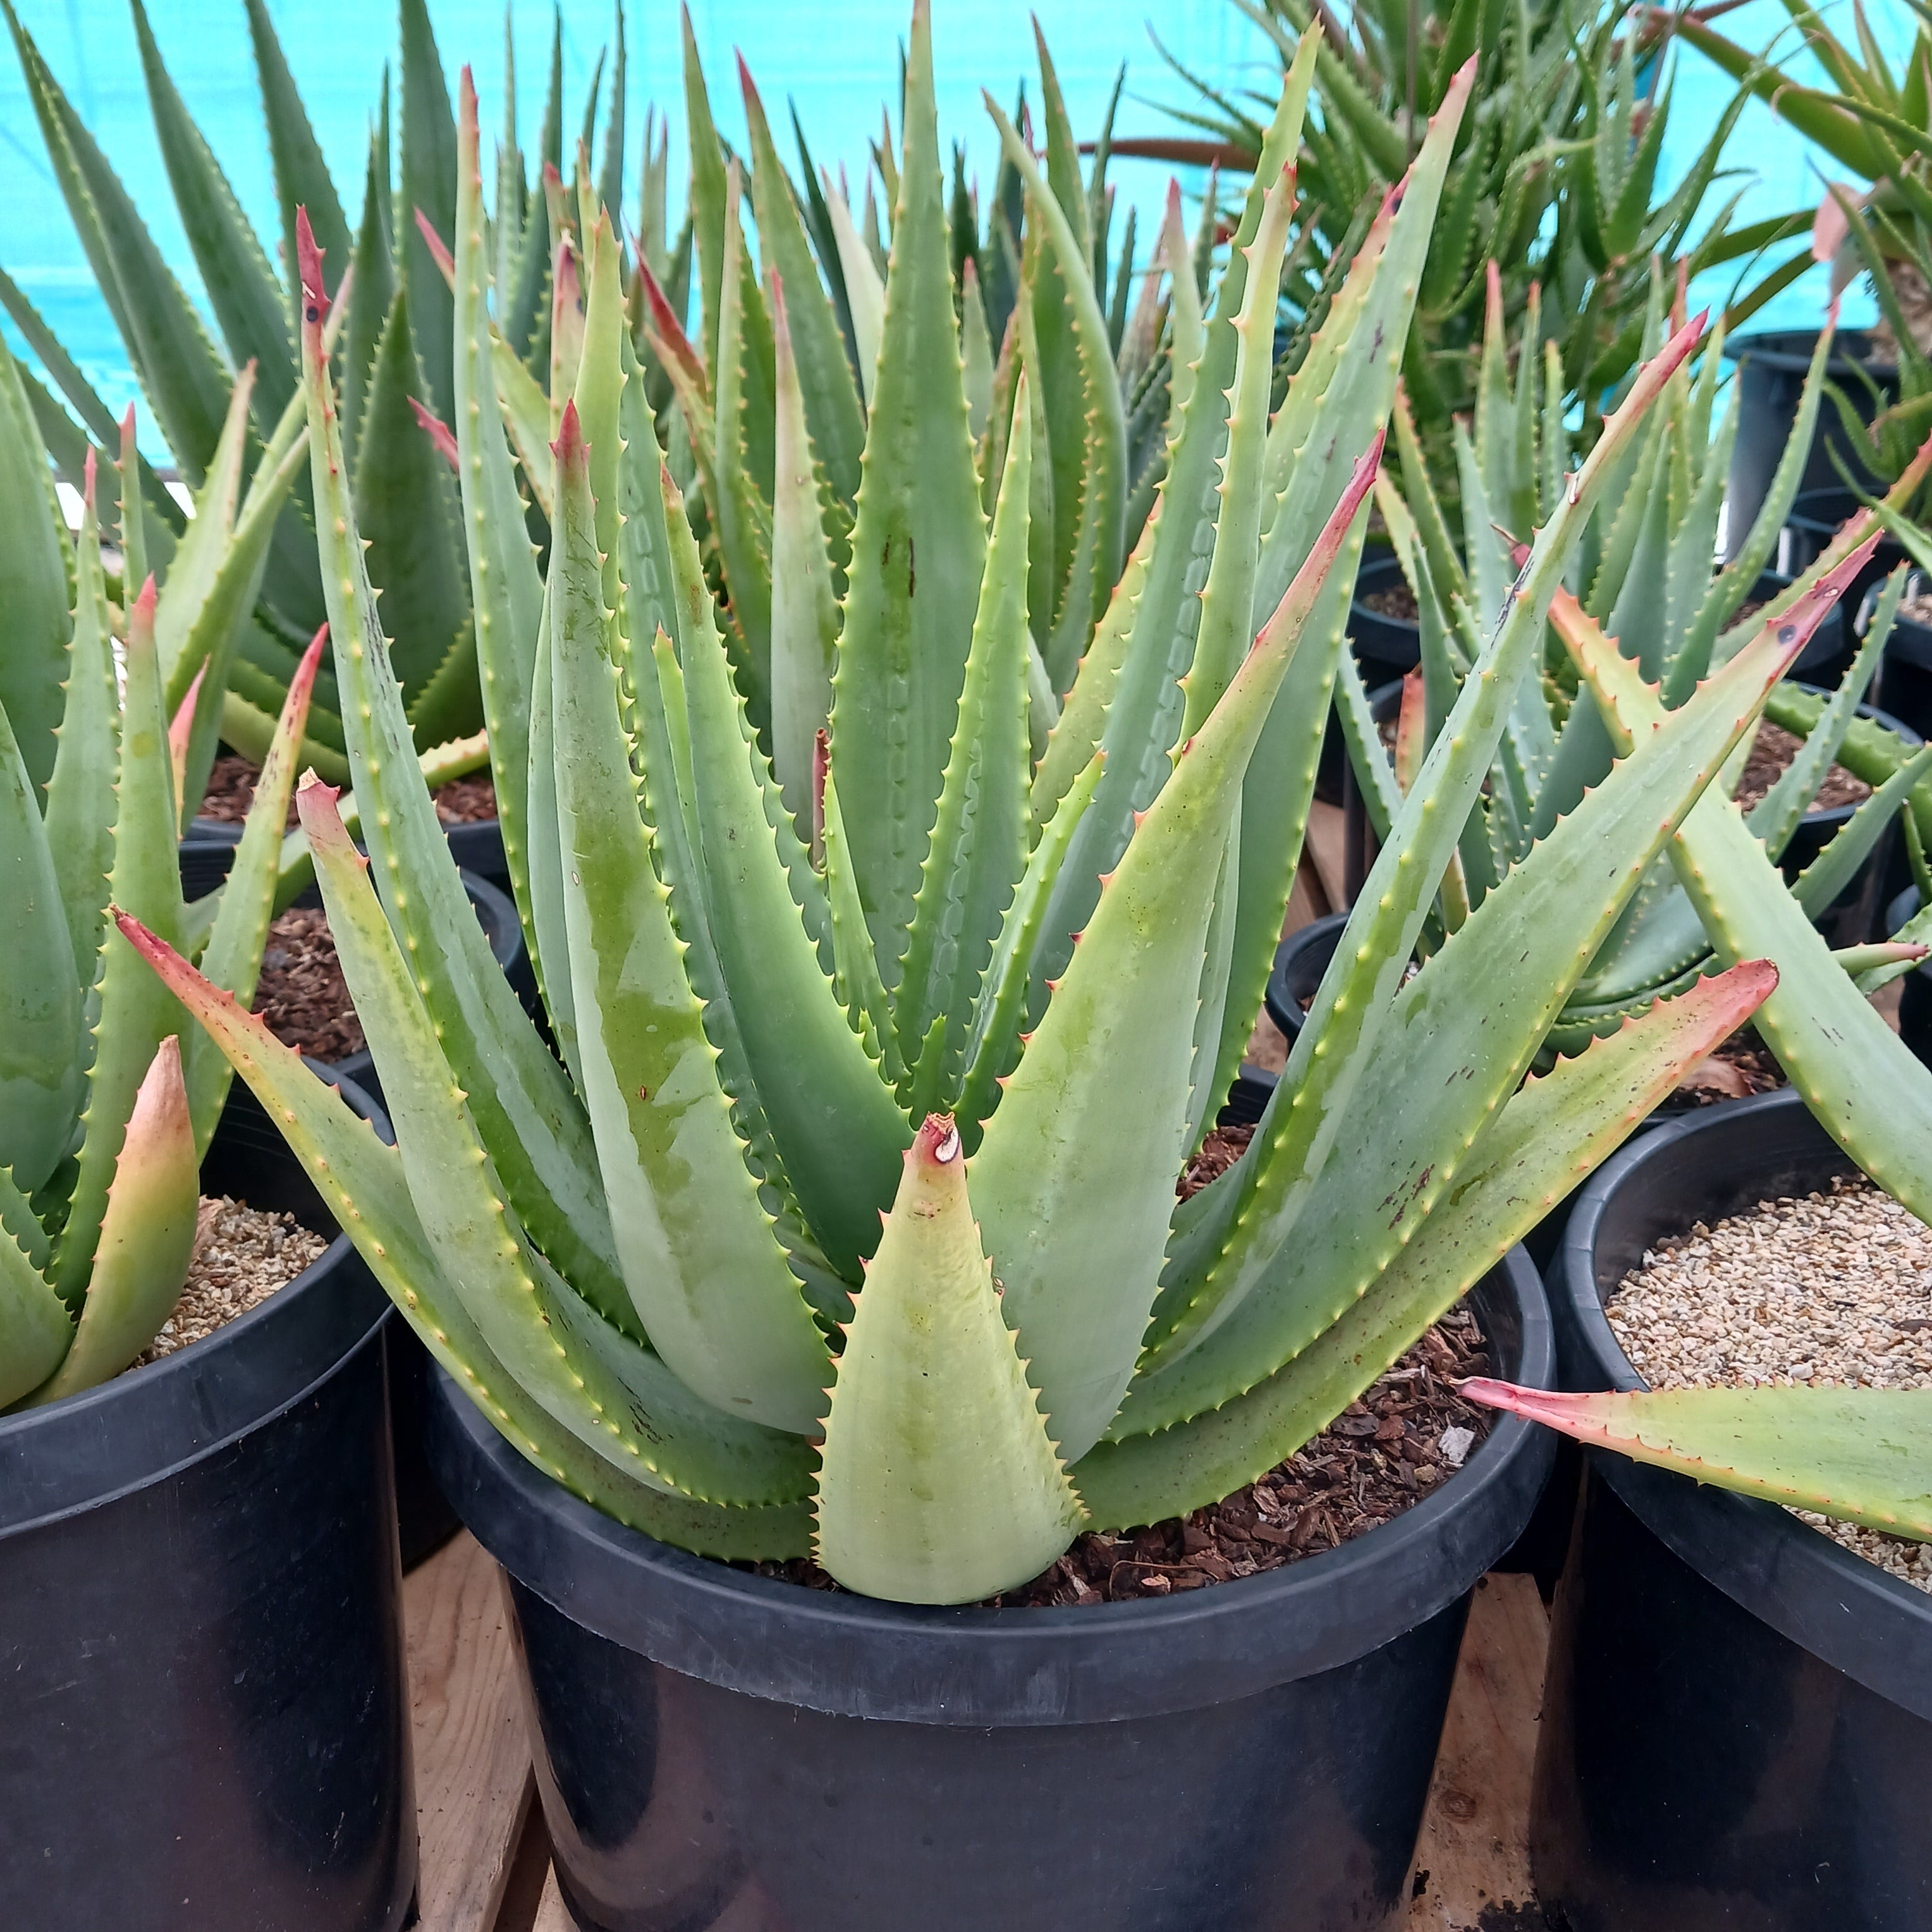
(918, 548)
(1861, 1455)
(707, 1277)
(978, 850)
(1075, 1215)
(1553, 1131)
(520, 1096)
(147, 1234)
(363, 1181)
(937, 1484)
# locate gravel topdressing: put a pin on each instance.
(1833, 1289)
(242, 1255)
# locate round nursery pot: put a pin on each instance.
(204, 1720)
(477, 847)
(1300, 962)
(1772, 366)
(719, 1749)
(1385, 647)
(207, 851)
(1737, 1727)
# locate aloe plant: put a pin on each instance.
(845, 1107)
(107, 1097)
(1557, 179)
(1644, 573)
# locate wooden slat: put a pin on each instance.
(474, 1787)
(552, 1914)
(1472, 1862)
(1324, 844)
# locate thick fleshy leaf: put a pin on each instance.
(1075, 1203)
(615, 1396)
(979, 845)
(1860, 1455)
(1547, 1137)
(918, 548)
(34, 620)
(231, 959)
(429, 182)
(135, 1013)
(364, 1184)
(938, 1483)
(519, 1097)
(36, 1329)
(80, 794)
(805, 617)
(837, 1127)
(147, 1235)
(706, 1276)
(302, 176)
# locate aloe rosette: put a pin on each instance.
(108, 1096)
(843, 1217)
(1644, 575)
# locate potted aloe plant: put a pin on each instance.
(838, 1241)
(198, 1613)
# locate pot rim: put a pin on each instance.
(1763, 345)
(148, 1424)
(861, 1656)
(1857, 1618)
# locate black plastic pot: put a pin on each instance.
(207, 851)
(477, 847)
(1385, 647)
(204, 1720)
(1737, 1724)
(714, 1748)
(1817, 517)
(1772, 366)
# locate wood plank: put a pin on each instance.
(1325, 845)
(1306, 901)
(474, 1786)
(1472, 1860)
(553, 1914)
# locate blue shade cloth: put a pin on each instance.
(838, 64)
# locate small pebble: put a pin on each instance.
(1833, 1289)
(1455, 1445)
(242, 1255)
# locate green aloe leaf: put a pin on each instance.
(837, 1127)
(135, 1013)
(34, 624)
(1075, 1210)
(147, 1234)
(979, 846)
(993, 1045)
(406, 505)
(36, 1329)
(231, 959)
(918, 548)
(1548, 1135)
(805, 615)
(428, 183)
(302, 176)
(519, 1097)
(1860, 1455)
(363, 1181)
(80, 794)
(249, 304)
(937, 1484)
(706, 1275)
(826, 386)
(616, 1397)
(372, 293)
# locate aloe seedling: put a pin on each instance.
(107, 1098)
(872, 1122)
(1644, 574)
